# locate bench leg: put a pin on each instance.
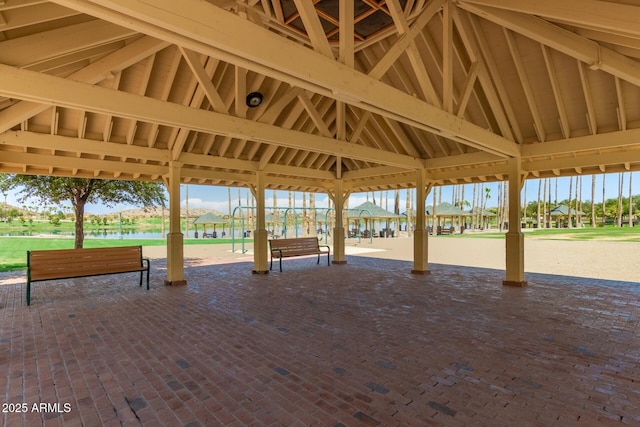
(318, 259)
(146, 260)
(28, 292)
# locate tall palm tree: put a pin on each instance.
(487, 196)
(186, 223)
(604, 201)
(570, 225)
(579, 201)
(312, 204)
(620, 185)
(538, 209)
(305, 218)
(499, 216)
(524, 204)
(275, 213)
(229, 202)
(630, 200)
(593, 201)
(474, 207)
(408, 210)
(544, 204)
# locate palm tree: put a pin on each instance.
(604, 201)
(275, 214)
(538, 210)
(312, 203)
(305, 219)
(570, 225)
(524, 204)
(473, 207)
(544, 204)
(230, 211)
(593, 201)
(186, 223)
(630, 200)
(408, 207)
(620, 184)
(487, 196)
(579, 201)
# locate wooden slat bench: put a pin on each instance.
(71, 263)
(284, 248)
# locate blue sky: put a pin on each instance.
(216, 198)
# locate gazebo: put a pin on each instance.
(376, 213)
(209, 218)
(447, 210)
(561, 214)
(432, 93)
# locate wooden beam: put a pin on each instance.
(45, 89)
(475, 41)
(346, 27)
(526, 85)
(555, 86)
(213, 31)
(93, 73)
(414, 54)
(621, 139)
(312, 24)
(447, 58)
(565, 41)
(611, 16)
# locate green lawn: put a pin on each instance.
(611, 233)
(13, 255)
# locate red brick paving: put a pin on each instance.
(361, 344)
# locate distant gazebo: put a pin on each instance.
(561, 214)
(377, 213)
(447, 210)
(204, 220)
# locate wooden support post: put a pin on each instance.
(420, 236)
(339, 256)
(514, 238)
(260, 234)
(175, 239)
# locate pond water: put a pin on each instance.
(132, 234)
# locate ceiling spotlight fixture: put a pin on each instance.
(254, 99)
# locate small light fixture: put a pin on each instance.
(254, 99)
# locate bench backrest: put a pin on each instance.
(50, 264)
(297, 246)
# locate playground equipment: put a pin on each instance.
(244, 234)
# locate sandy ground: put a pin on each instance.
(593, 259)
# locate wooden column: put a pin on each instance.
(514, 238)
(175, 238)
(339, 196)
(420, 236)
(260, 234)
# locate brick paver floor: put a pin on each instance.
(361, 344)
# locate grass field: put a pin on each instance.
(610, 233)
(13, 255)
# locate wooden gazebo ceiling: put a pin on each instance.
(371, 19)
(365, 91)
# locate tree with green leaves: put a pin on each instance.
(80, 191)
